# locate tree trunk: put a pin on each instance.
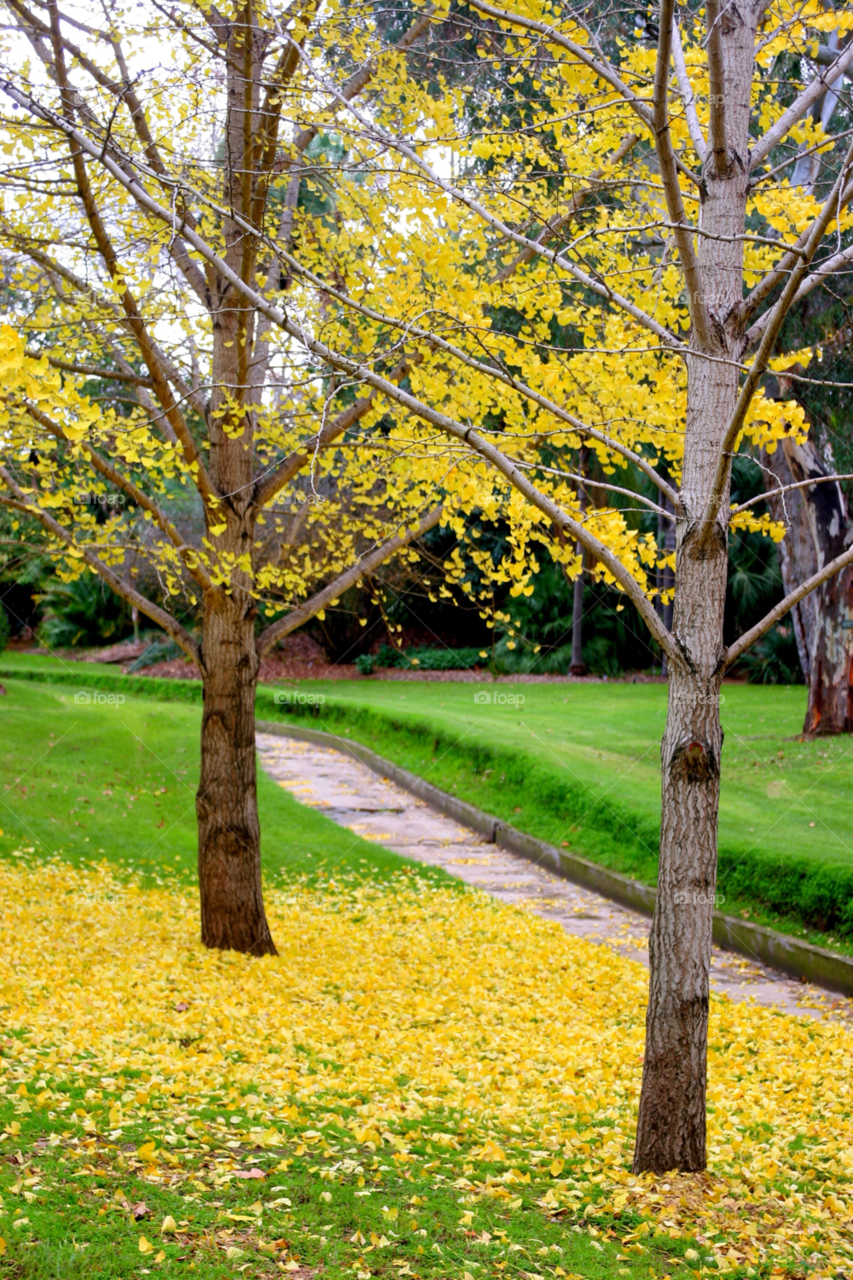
(818, 530)
(229, 849)
(671, 1121)
(666, 576)
(797, 555)
(578, 666)
(232, 909)
(830, 705)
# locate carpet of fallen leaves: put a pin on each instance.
(406, 1003)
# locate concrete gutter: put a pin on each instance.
(778, 950)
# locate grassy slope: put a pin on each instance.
(580, 764)
(118, 782)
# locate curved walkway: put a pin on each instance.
(377, 809)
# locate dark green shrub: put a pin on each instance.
(83, 612)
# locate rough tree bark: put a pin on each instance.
(229, 850)
(229, 857)
(671, 1123)
(797, 557)
(666, 576)
(830, 705)
(578, 666)
(818, 529)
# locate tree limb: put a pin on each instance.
(685, 89)
(153, 611)
(761, 628)
(91, 370)
(778, 273)
(274, 481)
(496, 372)
(365, 564)
(800, 106)
(717, 143)
(786, 488)
(669, 177)
(553, 228)
(111, 473)
(363, 374)
(590, 282)
(765, 350)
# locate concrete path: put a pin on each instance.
(377, 809)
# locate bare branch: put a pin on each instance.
(765, 350)
(365, 564)
(800, 106)
(598, 484)
(786, 488)
(717, 143)
(669, 176)
(761, 628)
(685, 89)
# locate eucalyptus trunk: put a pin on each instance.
(671, 1123)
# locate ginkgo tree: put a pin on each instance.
(244, 490)
(314, 252)
(164, 177)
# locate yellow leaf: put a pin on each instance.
(2, 1246)
(557, 1167)
(169, 1224)
(491, 1151)
(145, 1246)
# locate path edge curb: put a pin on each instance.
(778, 950)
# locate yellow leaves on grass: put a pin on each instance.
(431, 1001)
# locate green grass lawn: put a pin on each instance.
(115, 781)
(580, 765)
